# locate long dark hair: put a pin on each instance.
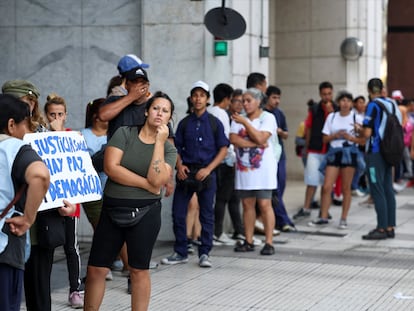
(92, 109)
(12, 108)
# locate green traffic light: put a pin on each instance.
(220, 48)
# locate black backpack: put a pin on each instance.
(392, 143)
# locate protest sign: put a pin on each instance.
(72, 175)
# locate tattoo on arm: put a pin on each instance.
(156, 167)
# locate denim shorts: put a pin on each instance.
(313, 177)
(258, 194)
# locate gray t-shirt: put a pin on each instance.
(137, 158)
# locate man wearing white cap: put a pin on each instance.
(201, 145)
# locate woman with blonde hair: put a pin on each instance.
(56, 112)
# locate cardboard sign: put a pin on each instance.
(72, 175)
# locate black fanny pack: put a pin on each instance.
(125, 216)
(191, 184)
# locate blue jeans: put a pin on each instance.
(179, 209)
(279, 208)
(11, 284)
(380, 181)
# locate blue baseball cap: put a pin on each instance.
(130, 62)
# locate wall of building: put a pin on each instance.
(180, 48)
(305, 39)
(400, 44)
(67, 47)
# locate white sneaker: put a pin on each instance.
(398, 187)
(343, 224)
(259, 226)
(109, 276)
(117, 265)
(75, 300)
(257, 242)
(204, 261)
(216, 241)
(358, 193)
(223, 239)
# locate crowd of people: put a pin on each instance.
(228, 154)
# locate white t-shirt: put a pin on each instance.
(256, 168)
(335, 122)
(222, 115)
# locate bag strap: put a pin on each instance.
(379, 103)
(12, 202)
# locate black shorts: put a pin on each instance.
(140, 239)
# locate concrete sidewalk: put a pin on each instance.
(313, 269)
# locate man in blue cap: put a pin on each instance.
(129, 109)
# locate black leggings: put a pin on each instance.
(71, 248)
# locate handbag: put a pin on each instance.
(126, 216)
(191, 184)
(50, 229)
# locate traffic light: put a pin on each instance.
(220, 47)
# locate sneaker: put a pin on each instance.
(75, 300)
(174, 259)
(259, 227)
(257, 242)
(244, 247)
(204, 261)
(318, 222)
(375, 235)
(196, 242)
(238, 236)
(398, 187)
(358, 193)
(329, 215)
(302, 213)
(267, 249)
(390, 234)
(223, 239)
(109, 276)
(289, 228)
(117, 265)
(343, 224)
(276, 232)
(190, 248)
(153, 265)
(337, 199)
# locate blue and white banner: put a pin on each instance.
(72, 175)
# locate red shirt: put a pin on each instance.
(308, 125)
